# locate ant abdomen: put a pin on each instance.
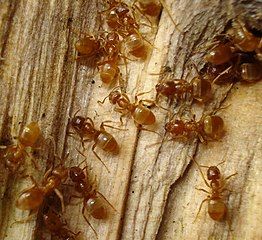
(201, 89)
(30, 134)
(107, 142)
(87, 46)
(213, 126)
(220, 54)
(97, 208)
(150, 8)
(109, 72)
(251, 72)
(143, 115)
(30, 199)
(136, 46)
(242, 38)
(217, 209)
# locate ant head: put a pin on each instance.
(114, 96)
(76, 174)
(213, 173)
(30, 199)
(160, 87)
(52, 220)
(175, 127)
(77, 122)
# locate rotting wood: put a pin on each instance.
(41, 81)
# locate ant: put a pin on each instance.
(121, 22)
(57, 227)
(217, 208)
(93, 201)
(235, 56)
(243, 67)
(52, 220)
(141, 114)
(242, 38)
(89, 48)
(109, 70)
(33, 197)
(151, 8)
(14, 155)
(198, 88)
(85, 128)
(209, 127)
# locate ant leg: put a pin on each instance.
(27, 219)
(203, 190)
(60, 196)
(101, 195)
(202, 174)
(103, 125)
(140, 94)
(152, 102)
(201, 138)
(207, 199)
(91, 121)
(230, 176)
(161, 142)
(140, 127)
(47, 173)
(103, 101)
(221, 74)
(144, 15)
(83, 213)
(74, 196)
(33, 181)
(93, 150)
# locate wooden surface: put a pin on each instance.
(152, 187)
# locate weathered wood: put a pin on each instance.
(151, 186)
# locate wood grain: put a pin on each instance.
(151, 186)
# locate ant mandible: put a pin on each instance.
(14, 155)
(141, 114)
(85, 129)
(92, 201)
(217, 208)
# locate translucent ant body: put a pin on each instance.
(32, 198)
(89, 48)
(121, 21)
(109, 70)
(85, 128)
(151, 8)
(209, 127)
(57, 227)
(242, 38)
(198, 88)
(242, 67)
(220, 54)
(217, 208)
(140, 114)
(92, 201)
(14, 155)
